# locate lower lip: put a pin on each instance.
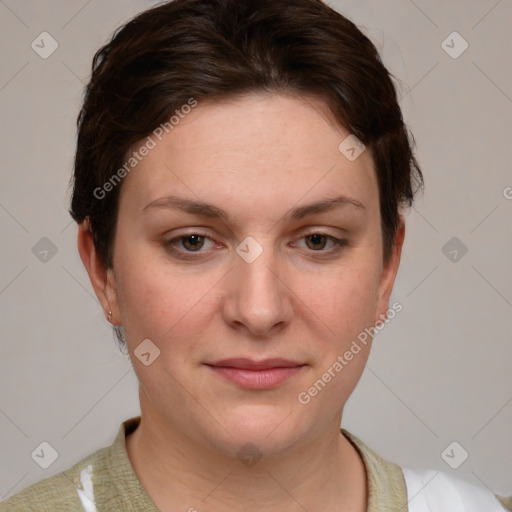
(257, 379)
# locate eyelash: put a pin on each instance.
(339, 244)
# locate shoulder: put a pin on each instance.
(64, 492)
(431, 490)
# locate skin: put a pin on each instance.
(256, 157)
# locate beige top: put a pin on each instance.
(115, 486)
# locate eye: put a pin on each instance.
(318, 242)
(193, 242)
(189, 243)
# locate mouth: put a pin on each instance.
(251, 374)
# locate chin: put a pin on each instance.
(269, 429)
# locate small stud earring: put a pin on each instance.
(110, 315)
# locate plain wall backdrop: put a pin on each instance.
(439, 373)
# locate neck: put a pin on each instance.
(325, 474)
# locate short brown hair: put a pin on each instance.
(214, 49)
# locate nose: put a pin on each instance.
(258, 299)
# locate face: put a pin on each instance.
(248, 251)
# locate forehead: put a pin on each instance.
(252, 148)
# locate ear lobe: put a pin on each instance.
(103, 285)
(390, 271)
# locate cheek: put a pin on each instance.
(345, 299)
(161, 304)
(346, 303)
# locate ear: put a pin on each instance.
(102, 279)
(390, 271)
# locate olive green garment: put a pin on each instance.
(116, 488)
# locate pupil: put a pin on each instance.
(194, 241)
(316, 239)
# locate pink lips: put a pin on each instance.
(251, 374)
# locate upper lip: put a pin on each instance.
(251, 364)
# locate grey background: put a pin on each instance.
(439, 372)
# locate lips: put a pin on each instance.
(250, 364)
(252, 374)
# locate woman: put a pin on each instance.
(240, 174)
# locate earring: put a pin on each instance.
(110, 315)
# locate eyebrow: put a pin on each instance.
(210, 211)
